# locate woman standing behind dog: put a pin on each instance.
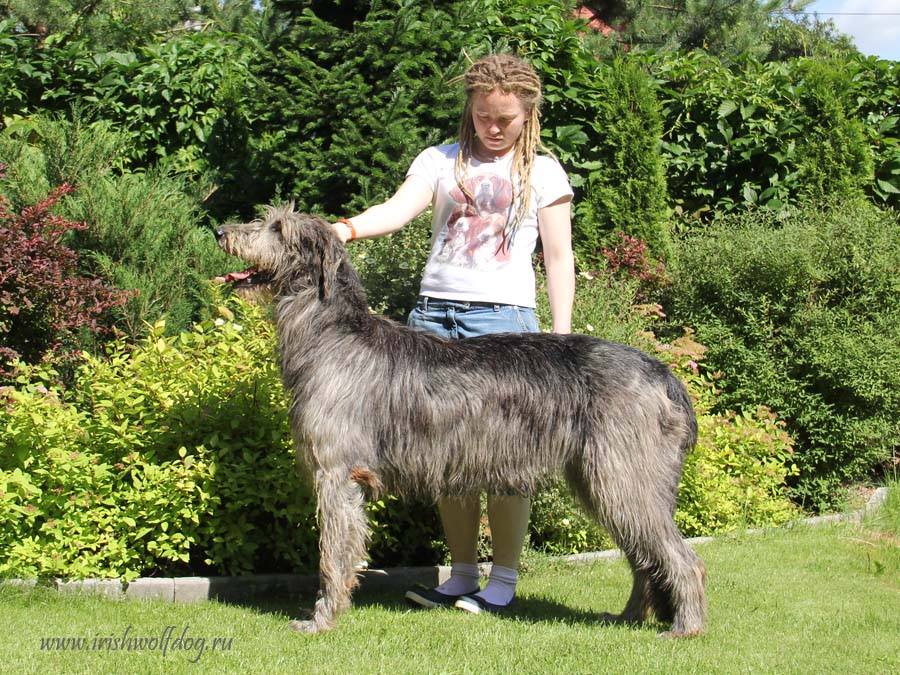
(492, 195)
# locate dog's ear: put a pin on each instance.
(282, 218)
(331, 262)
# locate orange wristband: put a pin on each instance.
(346, 221)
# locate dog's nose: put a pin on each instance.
(219, 232)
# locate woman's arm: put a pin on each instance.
(555, 226)
(409, 201)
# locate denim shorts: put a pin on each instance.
(455, 319)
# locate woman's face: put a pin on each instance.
(498, 120)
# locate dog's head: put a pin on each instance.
(294, 250)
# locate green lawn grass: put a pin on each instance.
(797, 600)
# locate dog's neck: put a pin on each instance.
(324, 298)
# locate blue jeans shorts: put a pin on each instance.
(454, 319)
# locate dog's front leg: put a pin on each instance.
(342, 545)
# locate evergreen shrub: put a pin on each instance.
(144, 230)
(48, 309)
(626, 190)
(344, 109)
(834, 156)
(801, 315)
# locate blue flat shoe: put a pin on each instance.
(476, 605)
(430, 598)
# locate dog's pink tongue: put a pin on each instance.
(240, 276)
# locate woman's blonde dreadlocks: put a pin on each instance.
(510, 75)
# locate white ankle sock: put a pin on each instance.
(501, 587)
(463, 579)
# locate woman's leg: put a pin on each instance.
(508, 517)
(460, 518)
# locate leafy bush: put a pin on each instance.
(171, 457)
(16, 56)
(117, 23)
(47, 308)
(169, 98)
(144, 230)
(183, 101)
(771, 134)
(803, 318)
(874, 93)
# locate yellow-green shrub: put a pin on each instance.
(170, 456)
(173, 456)
(736, 474)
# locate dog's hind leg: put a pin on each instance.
(681, 587)
(639, 605)
(669, 574)
(342, 545)
(594, 499)
(668, 577)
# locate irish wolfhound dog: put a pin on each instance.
(376, 405)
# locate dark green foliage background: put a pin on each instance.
(802, 315)
(144, 227)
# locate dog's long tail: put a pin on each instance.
(677, 393)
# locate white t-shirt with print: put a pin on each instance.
(473, 255)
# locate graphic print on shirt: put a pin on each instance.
(474, 235)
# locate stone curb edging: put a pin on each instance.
(237, 589)
(874, 502)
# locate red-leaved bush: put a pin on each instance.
(631, 257)
(45, 302)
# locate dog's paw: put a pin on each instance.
(305, 627)
(678, 634)
(620, 619)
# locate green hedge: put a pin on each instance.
(751, 134)
(801, 315)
